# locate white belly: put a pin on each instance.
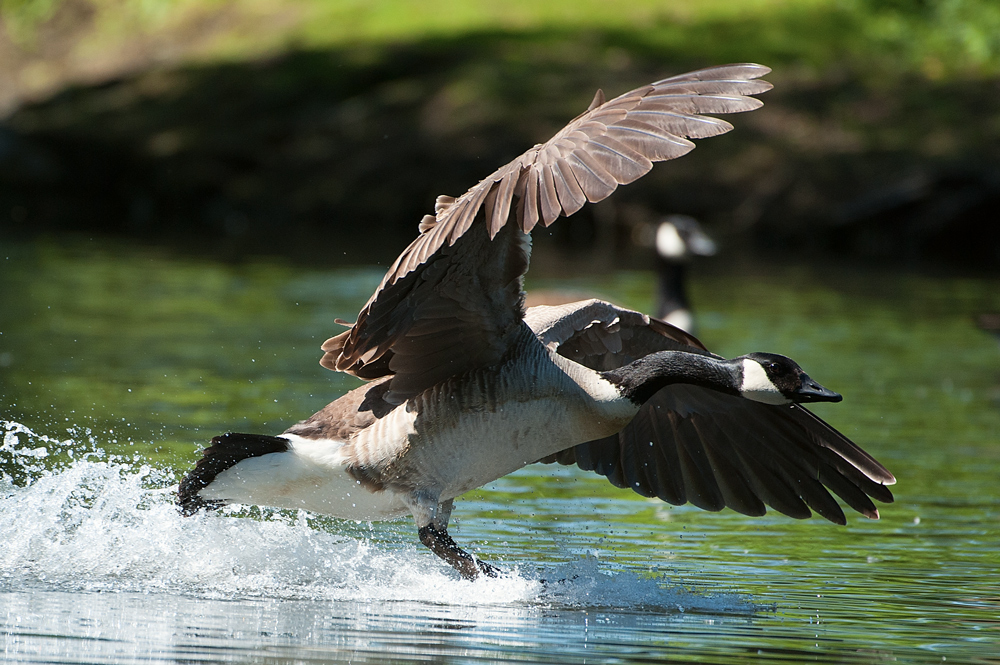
(489, 445)
(550, 412)
(312, 476)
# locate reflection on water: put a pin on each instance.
(118, 365)
(129, 627)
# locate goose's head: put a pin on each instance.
(679, 237)
(774, 379)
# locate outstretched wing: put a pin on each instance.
(691, 444)
(443, 273)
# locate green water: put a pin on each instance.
(137, 352)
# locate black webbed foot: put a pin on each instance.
(468, 566)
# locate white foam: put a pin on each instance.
(102, 524)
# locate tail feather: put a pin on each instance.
(224, 452)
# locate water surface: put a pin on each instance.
(117, 365)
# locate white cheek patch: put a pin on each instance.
(758, 387)
(681, 318)
(669, 243)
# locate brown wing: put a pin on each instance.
(690, 444)
(459, 311)
(444, 275)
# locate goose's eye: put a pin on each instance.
(777, 369)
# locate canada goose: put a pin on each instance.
(678, 239)
(466, 386)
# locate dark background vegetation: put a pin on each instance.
(324, 131)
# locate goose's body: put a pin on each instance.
(467, 386)
(527, 408)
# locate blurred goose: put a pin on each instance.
(466, 386)
(678, 239)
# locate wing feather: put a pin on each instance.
(529, 211)
(618, 158)
(696, 469)
(656, 144)
(571, 196)
(596, 183)
(547, 197)
(497, 214)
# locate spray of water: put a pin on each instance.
(103, 523)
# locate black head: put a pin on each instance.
(774, 379)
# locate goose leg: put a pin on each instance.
(434, 534)
(442, 544)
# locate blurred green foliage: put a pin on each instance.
(24, 19)
(21, 18)
(261, 124)
(937, 38)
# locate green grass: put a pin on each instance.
(937, 38)
(934, 38)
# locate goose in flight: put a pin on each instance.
(464, 385)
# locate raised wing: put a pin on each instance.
(461, 309)
(444, 270)
(690, 444)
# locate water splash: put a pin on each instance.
(104, 523)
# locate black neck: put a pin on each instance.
(672, 292)
(640, 380)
